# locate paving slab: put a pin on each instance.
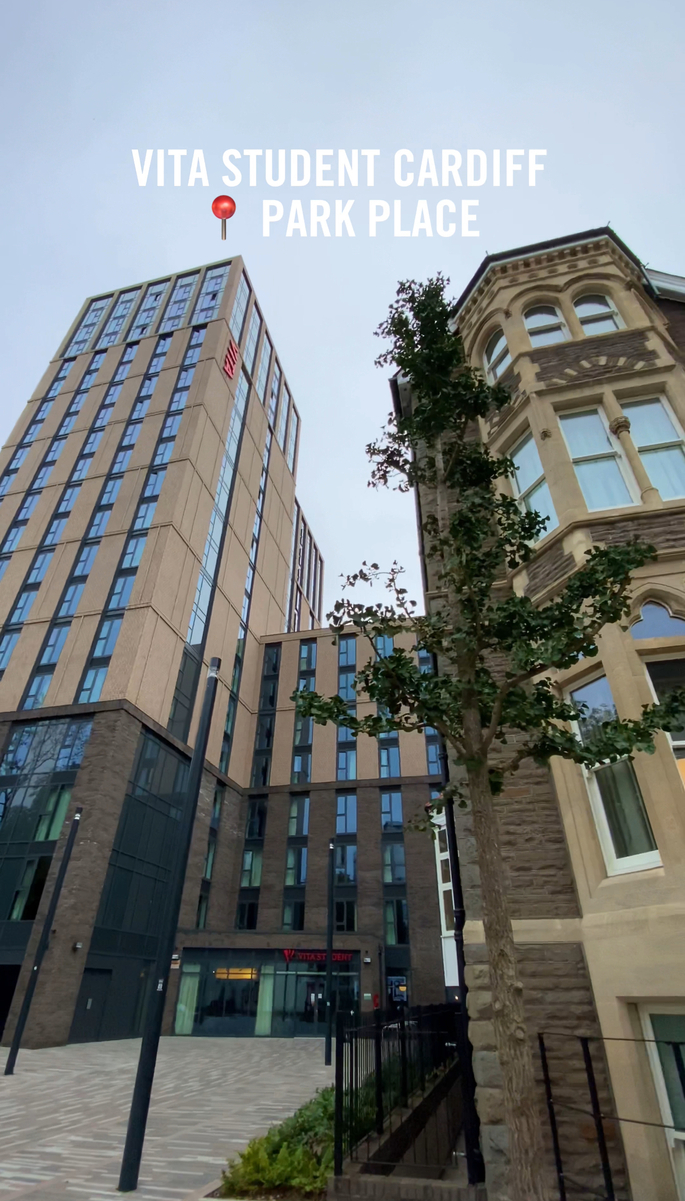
(63, 1114)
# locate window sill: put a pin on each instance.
(651, 863)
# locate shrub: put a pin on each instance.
(296, 1156)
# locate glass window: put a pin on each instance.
(308, 656)
(302, 767)
(99, 523)
(529, 483)
(389, 761)
(655, 621)
(52, 818)
(121, 460)
(92, 685)
(385, 645)
(37, 690)
(110, 491)
(22, 607)
(597, 460)
(396, 922)
(346, 864)
(345, 917)
(347, 764)
(112, 331)
(240, 308)
(246, 918)
(86, 559)
(174, 316)
(27, 897)
(668, 1028)
(545, 325)
(665, 675)
(144, 515)
(293, 915)
(211, 292)
(346, 685)
(394, 871)
(28, 505)
(106, 639)
(256, 819)
(298, 820)
(292, 440)
(12, 537)
(251, 875)
(497, 357)
(622, 822)
(391, 811)
(53, 647)
(121, 592)
(87, 325)
(148, 310)
(660, 445)
(209, 857)
(597, 314)
(304, 727)
(252, 339)
(70, 600)
(283, 418)
(39, 567)
(7, 645)
(264, 363)
(433, 757)
(295, 867)
(273, 398)
(347, 650)
(134, 551)
(346, 814)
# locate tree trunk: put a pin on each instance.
(516, 1060)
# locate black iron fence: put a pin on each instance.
(605, 1177)
(395, 1097)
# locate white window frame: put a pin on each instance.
(494, 370)
(541, 479)
(560, 323)
(623, 466)
(614, 865)
(613, 312)
(679, 440)
(675, 1139)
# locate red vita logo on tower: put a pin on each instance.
(231, 360)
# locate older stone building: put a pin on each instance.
(591, 346)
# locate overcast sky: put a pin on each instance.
(599, 86)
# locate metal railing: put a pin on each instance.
(611, 1188)
(394, 1099)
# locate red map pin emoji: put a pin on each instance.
(223, 207)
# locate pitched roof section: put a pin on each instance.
(519, 252)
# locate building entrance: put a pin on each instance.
(262, 993)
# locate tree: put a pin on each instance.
(494, 699)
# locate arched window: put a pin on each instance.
(496, 357)
(597, 314)
(545, 325)
(655, 621)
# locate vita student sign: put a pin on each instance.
(424, 211)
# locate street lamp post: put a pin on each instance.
(329, 954)
(140, 1103)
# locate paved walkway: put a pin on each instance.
(63, 1114)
